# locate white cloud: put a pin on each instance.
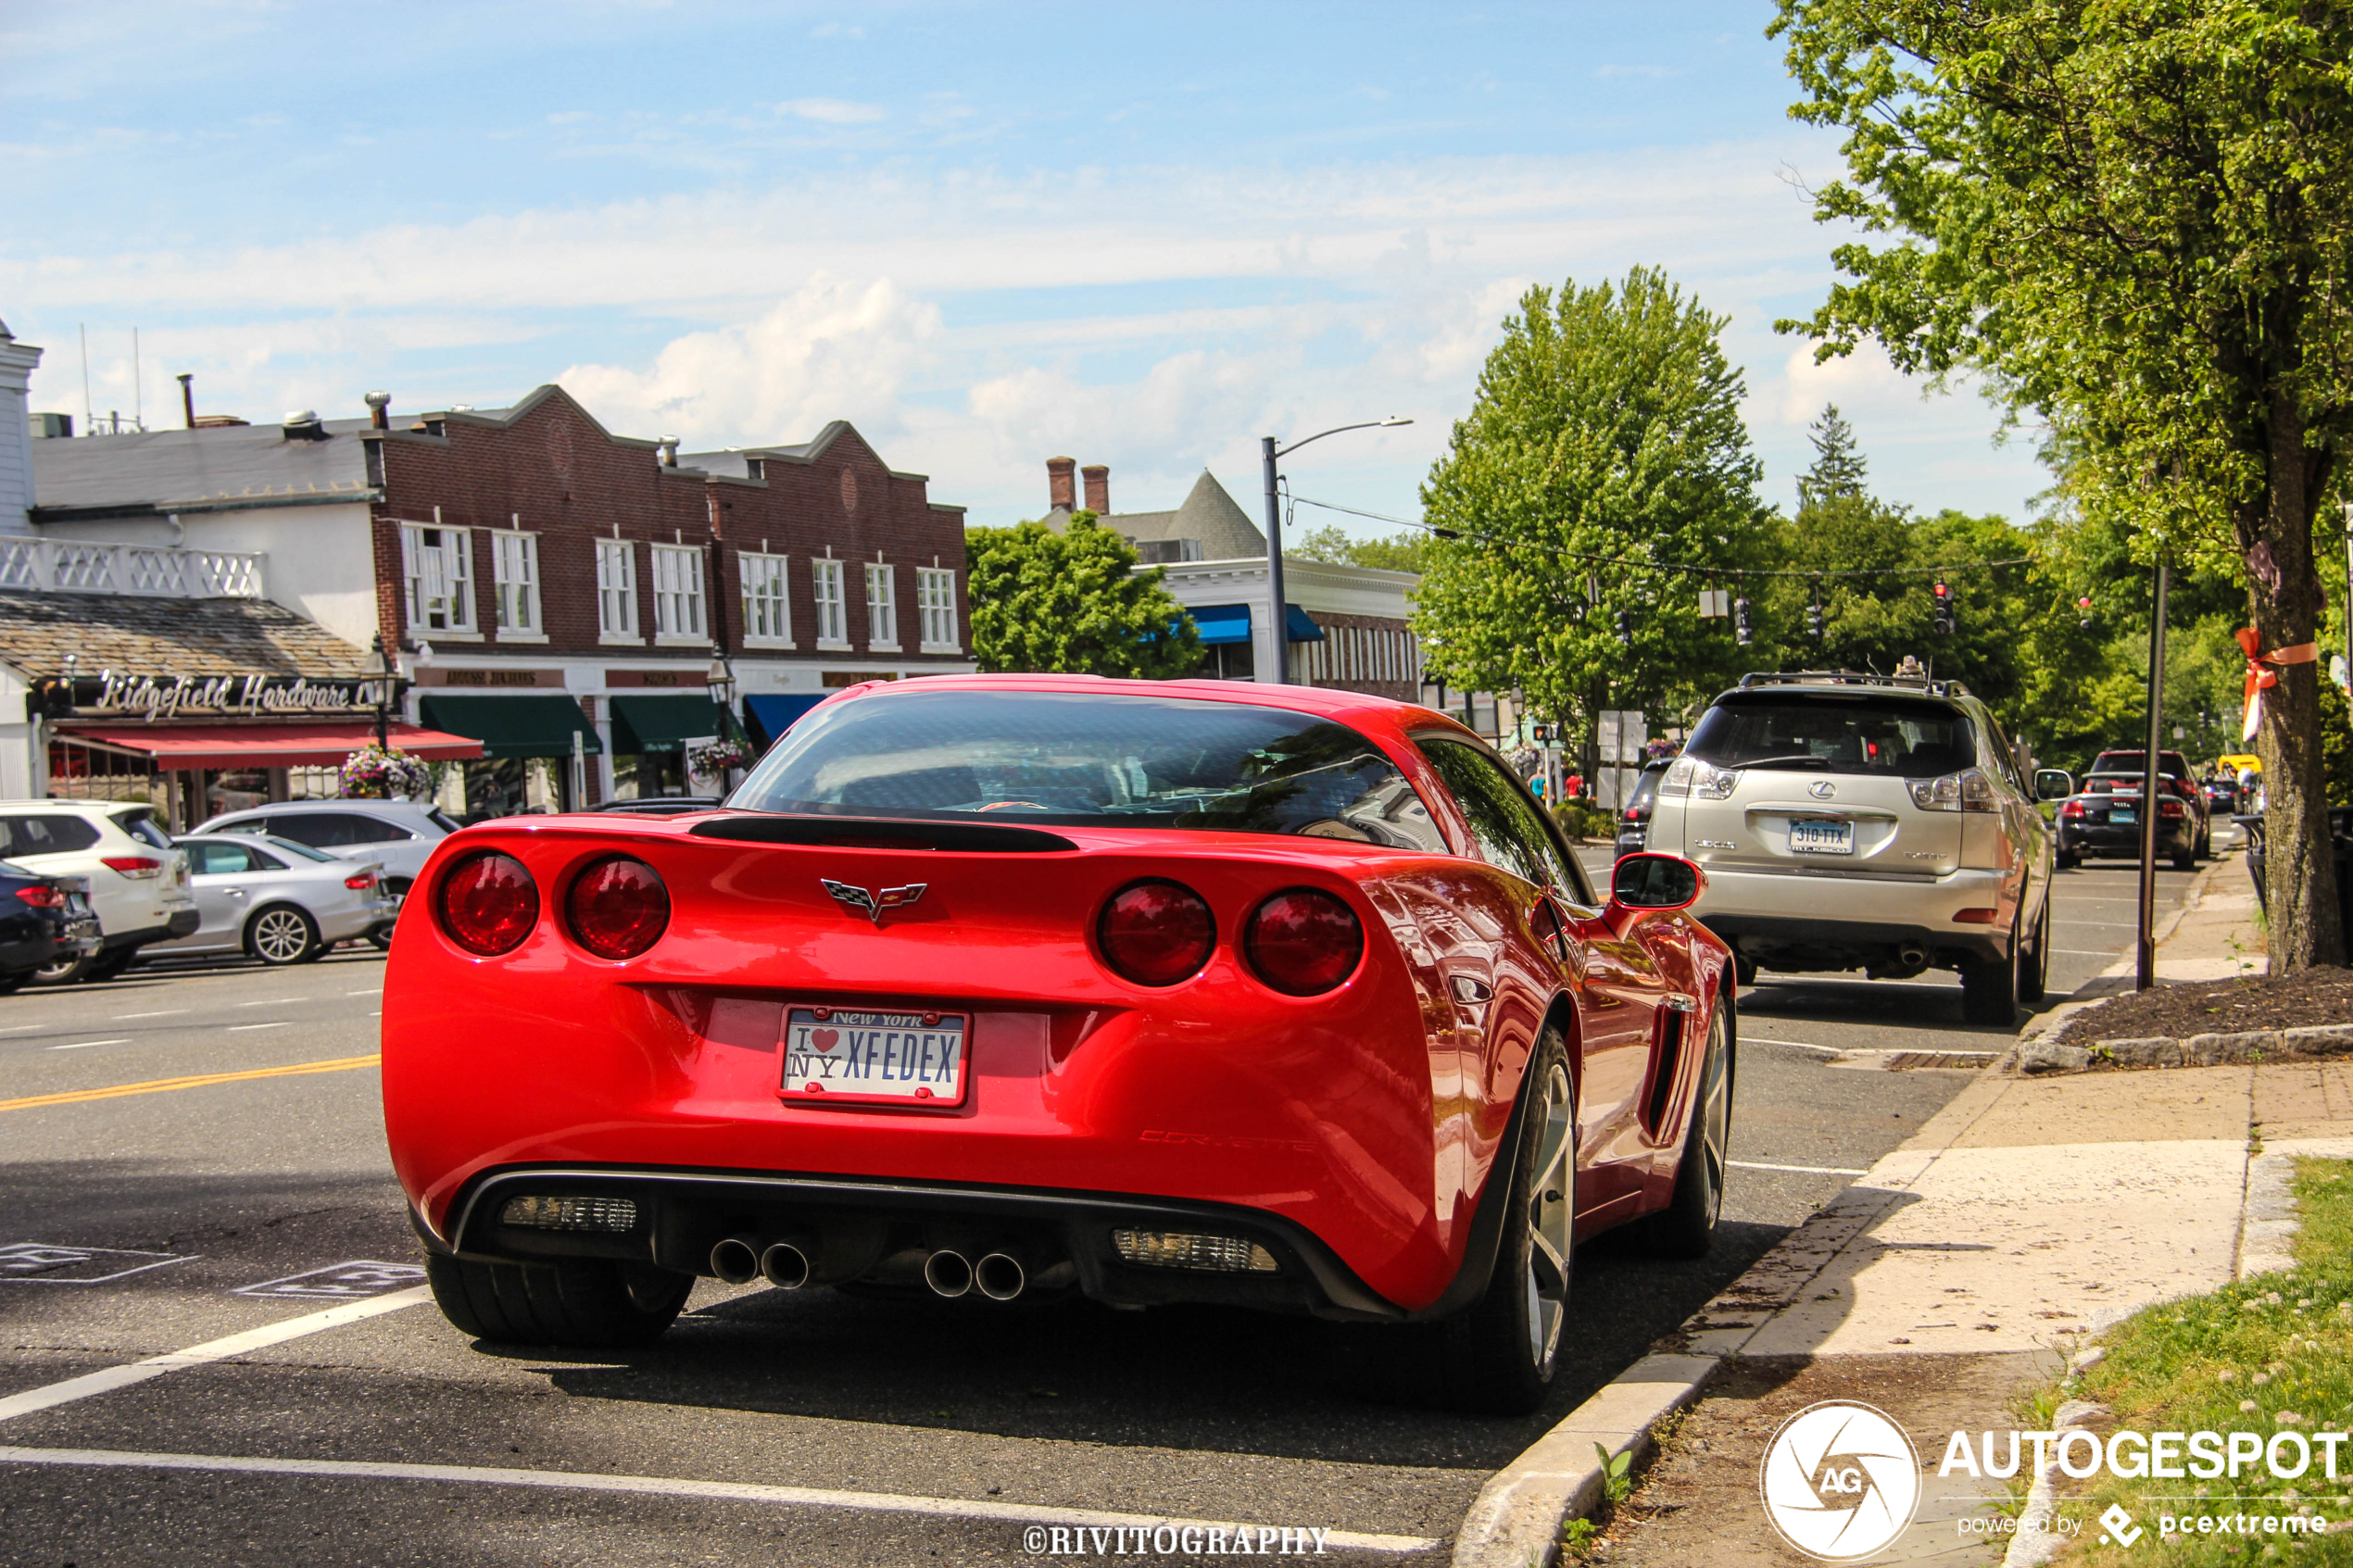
(831, 111)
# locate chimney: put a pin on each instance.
(1097, 478)
(667, 450)
(1061, 494)
(188, 397)
(378, 403)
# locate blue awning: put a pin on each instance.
(774, 715)
(1298, 628)
(1222, 624)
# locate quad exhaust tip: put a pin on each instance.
(949, 1274)
(999, 1276)
(784, 1266)
(736, 1259)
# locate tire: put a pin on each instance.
(64, 971)
(1989, 988)
(382, 937)
(280, 934)
(589, 1304)
(2069, 859)
(1497, 1358)
(109, 966)
(2187, 859)
(14, 980)
(2034, 974)
(1686, 1227)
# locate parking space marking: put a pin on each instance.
(84, 1045)
(274, 1001)
(2088, 952)
(1801, 1170)
(168, 1012)
(658, 1485)
(44, 1263)
(371, 991)
(159, 1085)
(124, 1376)
(281, 1024)
(356, 1280)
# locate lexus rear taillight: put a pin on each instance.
(43, 897)
(488, 904)
(1156, 933)
(1303, 942)
(617, 908)
(1967, 790)
(361, 883)
(139, 866)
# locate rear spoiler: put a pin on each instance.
(882, 832)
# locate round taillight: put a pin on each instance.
(617, 908)
(1157, 933)
(488, 904)
(1303, 943)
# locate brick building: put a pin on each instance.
(549, 589)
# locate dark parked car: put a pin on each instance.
(2103, 817)
(43, 919)
(2174, 778)
(1634, 821)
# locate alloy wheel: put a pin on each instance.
(1550, 1217)
(280, 935)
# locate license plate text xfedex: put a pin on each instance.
(908, 1058)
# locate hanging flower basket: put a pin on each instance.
(373, 774)
(716, 757)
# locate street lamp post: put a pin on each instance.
(721, 684)
(1269, 450)
(380, 688)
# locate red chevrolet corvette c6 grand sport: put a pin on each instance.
(1157, 991)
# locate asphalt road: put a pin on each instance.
(263, 1197)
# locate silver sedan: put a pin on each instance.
(279, 902)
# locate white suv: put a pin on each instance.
(139, 885)
(1863, 822)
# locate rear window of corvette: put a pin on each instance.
(1076, 758)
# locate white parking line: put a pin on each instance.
(658, 1485)
(1794, 1044)
(80, 1045)
(168, 1012)
(274, 1001)
(2089, 952)
(371, 991)
(281, 1024)
(1801, 1170)
(113, 1378)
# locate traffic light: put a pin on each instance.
(1814, 621)
(2083, 609)
(1947, 622)
(1625, 628)
(1744, 623)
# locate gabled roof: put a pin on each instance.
(167, 636)
(734, 462)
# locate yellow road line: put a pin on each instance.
(157, 1085)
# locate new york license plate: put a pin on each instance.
(1821, 837)
(915, 1056)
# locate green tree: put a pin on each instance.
(1607, 425)
(1837, 470)
(1403, 551)
(2136, 220)
(1072, 601)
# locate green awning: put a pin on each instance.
(526, 724)
(662, 723)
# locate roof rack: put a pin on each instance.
(1852, 678)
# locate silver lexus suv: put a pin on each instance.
(1865, 822)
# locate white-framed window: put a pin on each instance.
(882, 606)
(936, 595)
(438, 565)
(824, 581)
(678, 593)
(617, 590)
(767, 602)
(514, 574)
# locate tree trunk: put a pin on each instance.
(2299, 870)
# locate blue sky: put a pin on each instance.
(1140, 236)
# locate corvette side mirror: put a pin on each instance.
(1655, 882)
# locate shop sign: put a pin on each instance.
(172, 696)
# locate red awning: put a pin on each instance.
(268, 745)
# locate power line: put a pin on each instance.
(1644, 563)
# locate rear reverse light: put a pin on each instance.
(1967, 790)
(1303, 943)
(364, 880)
(571, 1214)
(488, 904)
(139, 866)
(617, 908)
(1186, 1249)
(1156, 933)
(43, 897)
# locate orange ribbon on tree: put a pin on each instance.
(2262, 672)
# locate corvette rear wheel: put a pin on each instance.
(1497, 1358)
(589, 1304)
(1686, 1227)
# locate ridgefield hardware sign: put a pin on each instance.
(109, 696)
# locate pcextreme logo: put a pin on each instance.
(1839, 1481)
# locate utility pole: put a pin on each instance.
(1281, 628)
(2151, 816)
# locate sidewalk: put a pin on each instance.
(2022, 1218)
